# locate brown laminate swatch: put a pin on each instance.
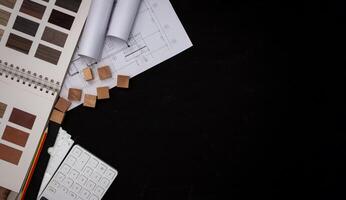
(48, 54)
(1, 33)
(2, 109)
(61, 19)
(26, 26)
(55, 37)
(33, 9)
(72, 5)
(19, 43)
(10, 154)
(15, 136)
(22, 118)
(4, 16)
(8, 3)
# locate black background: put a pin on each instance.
(256, 108)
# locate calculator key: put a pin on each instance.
(88, 171)
(93, 163)
(68, 182)
(60, 177)
(96, 177)
(55, 184)
(101, 168)
(99, 191)
(63, 189)
(84, 193)
(76, 152)
(104, 182)
(81, 179)
(76, 188)
(51, 190)
(73, 174)
(93, 197)
(83, 159)
(65, 169)
(70, 160)
(110, 174)
(90, 185)
(72, 195)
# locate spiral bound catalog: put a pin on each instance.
(37, 41)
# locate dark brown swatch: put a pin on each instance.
(33, 9)
(22, 118)
(15, 136)
(72, 5)
(4, 16)
(10, 154)
(1, 33)
(8, 3)
(48, 54)
(55, 37)
(26, 26)
(19, 43)
(61, 19)
(2, 109)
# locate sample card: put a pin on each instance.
(37, 41)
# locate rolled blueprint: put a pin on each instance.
(124, 15)
(95, 29)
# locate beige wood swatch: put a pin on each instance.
(8, 3)
(2, 109)
(4, 16)
(62, 104)
(123, 81)
(103, 93)
(1, 33)
(74, 94)
(57, 116)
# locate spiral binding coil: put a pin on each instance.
(28, 78)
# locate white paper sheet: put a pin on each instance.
(95, 29)
(122, 19)
(157, 35)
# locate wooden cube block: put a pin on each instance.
(123, 81)
(88, 74)
(62, 104)
(90, 100)
(74, 94)
(103, 93)
(104, 72)
(57, 116)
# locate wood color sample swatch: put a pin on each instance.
(4, 16)
(8, 3)
(72, 5)
(74, 94)
(26, 26)
(4, 193)
(33, 9)
(61, 19)
(55, 37)
(19, 43)
(88, 74)
(104, 72)
(57, 116)
(123, 81)
(10, 154)
(103, 93)
(90, 100)
(22, 118)
(2, 109)
(48, 54)
(62, 104)
(15, 136)
(1, 33)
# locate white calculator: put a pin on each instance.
(81, 176)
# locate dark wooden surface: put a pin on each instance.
(256, 109)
